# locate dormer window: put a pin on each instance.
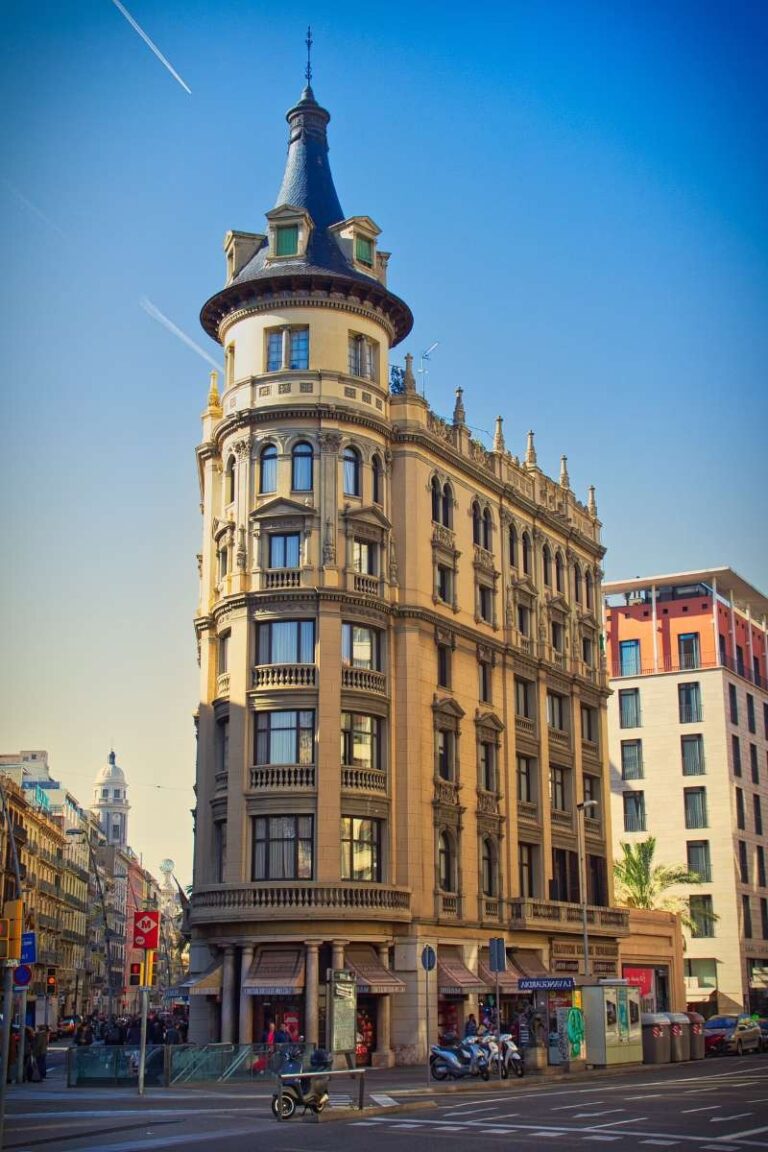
(289, 231)
(364, 250)
(287, 240)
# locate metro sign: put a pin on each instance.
(146, 929)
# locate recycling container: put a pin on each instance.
(679, 1037)
(697, 1035)
(656, 1038)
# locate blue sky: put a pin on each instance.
(575, 198)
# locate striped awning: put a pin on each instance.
(372, 976)
(507, 979)
(206, 983)
(276, 972)
(529, 963)
(453, 976)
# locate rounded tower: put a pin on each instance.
(110, 802)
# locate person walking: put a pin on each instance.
(40, 1051)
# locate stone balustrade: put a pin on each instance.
(299, 900)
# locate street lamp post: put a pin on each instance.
(107, 932)
(581, 808)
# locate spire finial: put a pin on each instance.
(565, 481)
(409, 379)
(498, 437)
(214, 400)
(591, 501)
(308, 42)
(459, 415)
(530, 452)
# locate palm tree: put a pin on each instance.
(643, 884)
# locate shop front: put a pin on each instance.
(455, 984)
(275, 986)
(375, 984)
(557, 1020)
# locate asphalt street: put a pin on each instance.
(718, 1105)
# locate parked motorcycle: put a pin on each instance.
(512, 1062)
(456, 1063)
(309, 1092)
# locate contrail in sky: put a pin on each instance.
(152, 47)
(156, 314)
(34, 208)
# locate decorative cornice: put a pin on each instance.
(301, 300)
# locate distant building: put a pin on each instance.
(110, 802)
(688, 736)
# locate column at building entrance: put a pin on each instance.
(382, 1057)
(245, 1035)
(228, 996)
(311, 982)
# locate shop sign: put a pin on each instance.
(546, 984)
(343, 1011)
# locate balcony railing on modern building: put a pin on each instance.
(301, 900)
(543, 914)
(284, 676)
(686, 664)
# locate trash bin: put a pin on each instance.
(679, 1037)
(656, 1040)
(698, 1051)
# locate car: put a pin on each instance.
(731, 1033)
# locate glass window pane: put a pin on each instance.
(299, 357)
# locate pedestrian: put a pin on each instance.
(172, 1034)
(133, 1035)
(281, 1036)
(40, 1051)
(470, 1028)
(268, 1035)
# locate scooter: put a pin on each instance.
(309, 1092)
(511, 1057)
(466, 1059)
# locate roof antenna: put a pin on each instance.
(308, 43)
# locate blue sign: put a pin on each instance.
(22, 976)
(28, 948)
(428, 958)
(546, 984)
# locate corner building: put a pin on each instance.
(402, 699)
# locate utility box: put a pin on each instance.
(612, 1027)
(679, 1037)
(656, 1039)
(698, 1051)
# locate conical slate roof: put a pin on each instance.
(307, 184)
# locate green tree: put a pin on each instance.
(641, 883)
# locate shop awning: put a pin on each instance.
(276, 972)
(454, 978)
(507, 979)
(372, 975)
(207, 983)
(528, 963)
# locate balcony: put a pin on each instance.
(300, 900)
(364, 680)
(366, 585)
(284, 777)
(559, 738)
(541, 915)
(446, 792)
(222, 685)
(591, 749)
(443, 537)
(487, 803)
(527, 810)
(484, 559)
(269, 676)
(20, 834)
(49, 889)
(491, 908)
(561, 820)
(525, 643)
(363, 780)
(448, 905)
(525, 726)
(33, 847)
(277, 578)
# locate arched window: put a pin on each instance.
(301, 467)
(446, 863)
(588, 588)
(489, 872)
(447, 506)
(487, 530)
(526, 554)
(268, 469)
(477, 524)
(512, 538)
(546, 557)
(377, 472)
(351, 472)
(229, 481)
(435, 486)
(577, 583)
(558, 572)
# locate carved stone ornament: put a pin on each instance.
(392, 563)
(199, 558)
(242, 447)
(329, 441)
(329, 544)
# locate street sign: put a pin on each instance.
(146, 929)
(428, 958)
(22, 976)
(497, 952)
(28, 948)
(547, 984)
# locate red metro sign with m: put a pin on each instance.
(146, 929)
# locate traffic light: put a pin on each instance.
(50, 982)
(135, 975)
(4, 930)
(151, 968)
(13, 912)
